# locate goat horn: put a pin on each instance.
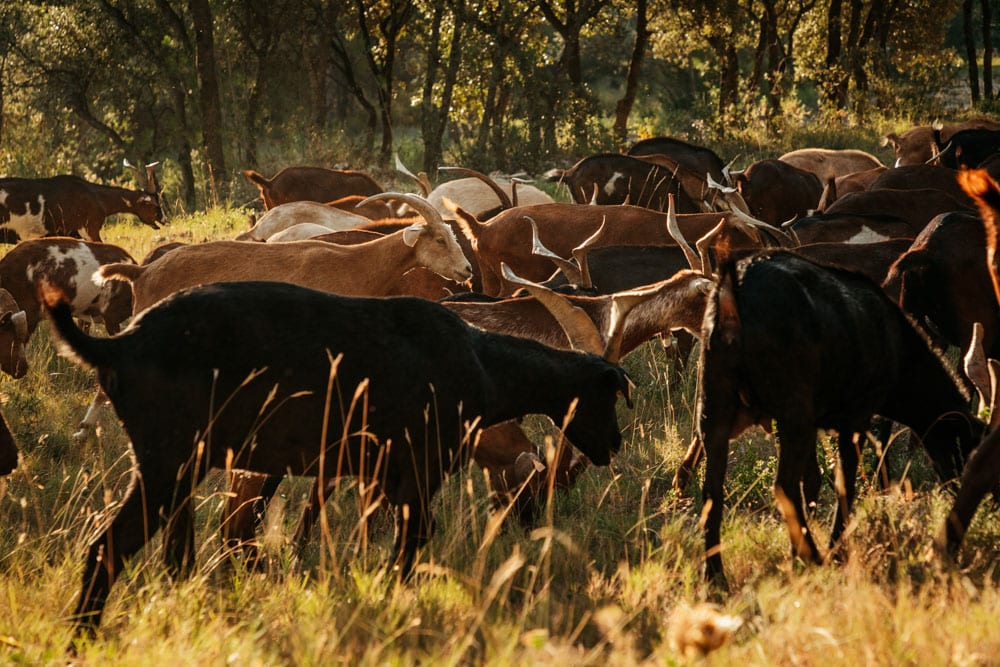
(705, 241)
(493, 185)
(749, 225)
(576, 324)
(421, 183)
(571, 270)
(430, 214)
(715, 185)
(622, 304)
(994, 393)
(675, 232)
(976, 366)
(581, 251)
(20, 321)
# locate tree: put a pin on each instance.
(389, 18)
(208, 94)
(624, 106)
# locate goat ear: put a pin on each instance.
(412, 233)
(625, 386)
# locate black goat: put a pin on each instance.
(982, 473)
(259, 374)
(814, 347)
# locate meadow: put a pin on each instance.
(599, 580)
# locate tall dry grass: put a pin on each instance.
(597, 582)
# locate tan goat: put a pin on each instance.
(366, 269)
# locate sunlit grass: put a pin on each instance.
(594, 583)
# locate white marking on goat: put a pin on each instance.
(609, 187)
(867, 235)
(27, 225)
(76, 262)
(898, 160)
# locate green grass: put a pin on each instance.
(594, 583)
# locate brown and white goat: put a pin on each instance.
(67, 205)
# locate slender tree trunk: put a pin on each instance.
(833, 51)
(970, 49)
(434, 136)
(987, 50)
(184, 152)
(625, 104)
(208, 94)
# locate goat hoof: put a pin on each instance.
(84, 433)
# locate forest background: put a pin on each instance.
(211, 87)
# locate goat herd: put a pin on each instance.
(821, 283)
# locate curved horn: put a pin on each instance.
(419, 204)
(715, 185)
(505, 202)
(576, 324)
(20, 321)
(706, 241)
(571, 270)
(675, 232)
(581, 251)
(514, 182)
(976, 366)
(423, 183)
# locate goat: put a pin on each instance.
(918, 146)
(841, 185)
(698, 159)
(824, 162)
(316, 184)
(943, 282)
(69, 264)
(814, 347)
(916, 207)
(365, 269)
(850, 228)
(610, 178)
(265, 374)
(13, 337)
(982, 472)
(777, 191)
(283, 216)
(507, 238)
(67, 205)
(920, 177)
(613, 326)
(967, 148)
(8, 449)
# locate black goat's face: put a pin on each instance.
(594, 428)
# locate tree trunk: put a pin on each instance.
(987, 50)
(435, 137)
(833, 51)
(624, 106)
(970, 49)
(208, 95)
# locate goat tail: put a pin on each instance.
(258, 179)
(73, 343)
(121, 271)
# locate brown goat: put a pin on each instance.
(366, 269)
(312, 184)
